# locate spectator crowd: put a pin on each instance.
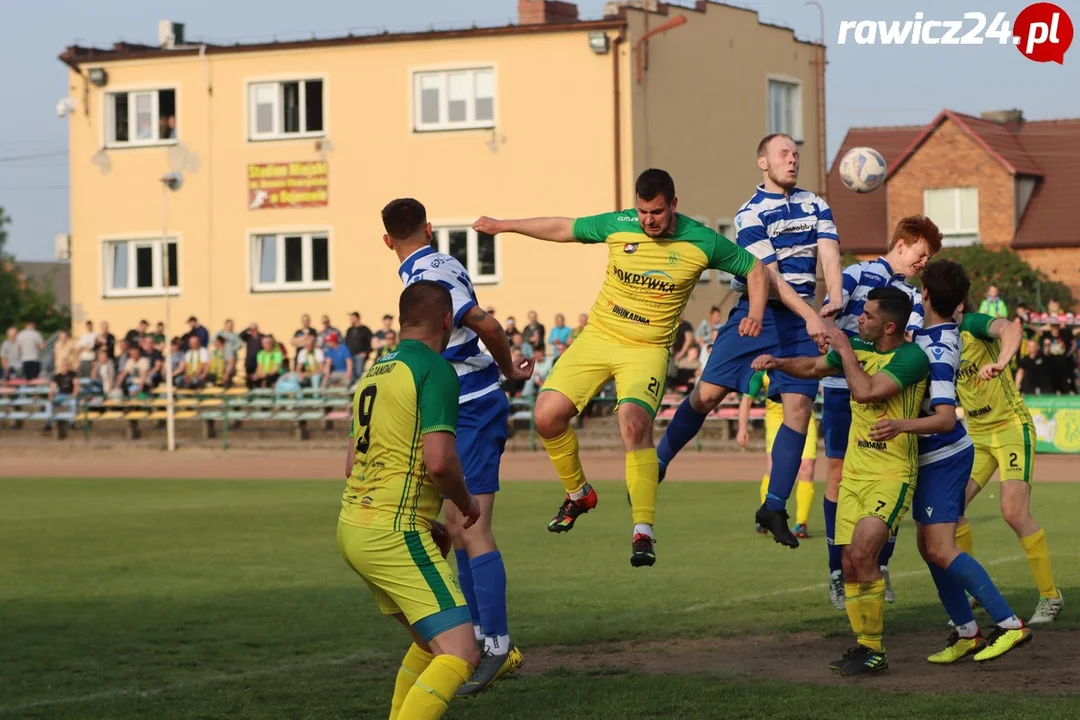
(135, 363)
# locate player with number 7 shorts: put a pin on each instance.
(655, 258)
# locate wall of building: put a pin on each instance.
(703, 107)
(950, 158)
(551, 153)
(1060, 265)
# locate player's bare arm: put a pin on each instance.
(757, 287)
(1010, 335)
(864, 388)
(552, 229)
(942, 421)
(829, 254)
(350, 458)
(491, 333)
(800, 367)
(815, 326)
(444, 469)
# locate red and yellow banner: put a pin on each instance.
(288, 184)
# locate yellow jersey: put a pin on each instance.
(649, 280)
(407, 393)
(759, 382)
(988, 405)
(896, 459)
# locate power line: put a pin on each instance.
(32, 156)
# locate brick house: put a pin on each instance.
(997, 179)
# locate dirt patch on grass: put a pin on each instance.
(1046, 665)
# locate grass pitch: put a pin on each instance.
(228, 599)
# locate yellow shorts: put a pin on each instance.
(775, 418)
(887, 500)
(593, 359)
(407, 574)
(1009, 449)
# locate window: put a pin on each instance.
(137, 267)
(476, 251)
(956, 212)
(290, 261)
(726, 228)
(287, 109)
(456, 99)
(785, 108)
(140, 118)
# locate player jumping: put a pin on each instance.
(788, 229)
(915, 240)
(481, 433)
(774, 417)
(401, 463)
(1004, 435)
(887, 379)
(946, 455)
(655, 257)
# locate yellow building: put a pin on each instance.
(290, 149)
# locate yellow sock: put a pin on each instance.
(642, 475)
(1038, 558)
(764, 487)
(872, 610)
(964, 541)
(563, 452)
(431, 694)
(804, 500)
(415, 662)
(851, 603)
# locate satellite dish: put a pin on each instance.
(101, 161)
(182, 159)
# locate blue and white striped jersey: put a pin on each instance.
(785, 230)
(859, 280)
(476, 371)
(941, 344)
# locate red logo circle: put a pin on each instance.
(1043, 32)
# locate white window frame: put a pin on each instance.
(157, 269)
(108, 122)
(955, 236)
(797, 129)
(306, 284)
(253, 84)
(441, 235)
(443, 123)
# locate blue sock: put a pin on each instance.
(465, 579)
(489, 583)
(886, 552)
(683, 427)
(835, 551)
(971, 576)
(952, 596)
(786, 457)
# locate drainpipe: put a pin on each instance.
(669, 25)
(618, 120)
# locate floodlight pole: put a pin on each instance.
(169, 182)
(170, 418)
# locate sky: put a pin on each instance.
(866, 85)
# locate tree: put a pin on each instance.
(1016, 281)
(20, 301)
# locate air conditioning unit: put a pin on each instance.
(170, 34)
(63, 247)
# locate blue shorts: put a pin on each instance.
(836, 421)
(729, 361)
(940, 490)
(481, 438)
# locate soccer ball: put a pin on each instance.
(862, 169)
